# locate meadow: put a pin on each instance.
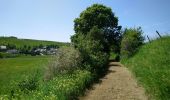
(16, 69)
(151, 66)
(23, 76)
(18, 75)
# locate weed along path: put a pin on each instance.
(118, 84)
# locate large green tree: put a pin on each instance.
(96, 31)
(103, 18)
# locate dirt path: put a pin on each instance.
(118, 84)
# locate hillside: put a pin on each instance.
(151, 66)
(19, 43)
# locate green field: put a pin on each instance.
(62, 87)
(19, 73)
(151, 66)
(15, 69)
(19, 43)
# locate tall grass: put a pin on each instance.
(151, 66)
(16, 69)
(63, 87)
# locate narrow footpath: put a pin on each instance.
(118, 84)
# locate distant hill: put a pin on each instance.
(20, 43)
(151, 66)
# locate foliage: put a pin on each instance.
(114, 56)
(101, 17)
(151, 66)
(66, 60)
(96, 30)
(24, 83)
(92, 51)
(29, 83)
(132, 39)
(68, 86)
(63, 87)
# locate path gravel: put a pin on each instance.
(118, 84)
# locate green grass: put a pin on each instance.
(112, 56)
(61, 87)
(15, 69)
(151, 66)
(19, 43)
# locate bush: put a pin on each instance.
(132, 39)
(29, 83)
(68, 86)
(93, 52)
(66, 60)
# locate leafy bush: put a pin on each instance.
(67, 86)
(92, 50)
(66, 60)
(29, 83)
(132, 39)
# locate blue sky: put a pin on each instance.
(53, 19)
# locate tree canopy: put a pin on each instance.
(104, 20)
(96, 15)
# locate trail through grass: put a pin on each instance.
(151, 66)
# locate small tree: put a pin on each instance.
(132, 39)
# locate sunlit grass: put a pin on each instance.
(61, 87)
(151, 66)
(15, 69)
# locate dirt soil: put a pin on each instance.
(118, 84)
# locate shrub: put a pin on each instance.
(29, 83)
(93, 51)
(132, 39)
(66, 60)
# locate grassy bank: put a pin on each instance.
(151, 66)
